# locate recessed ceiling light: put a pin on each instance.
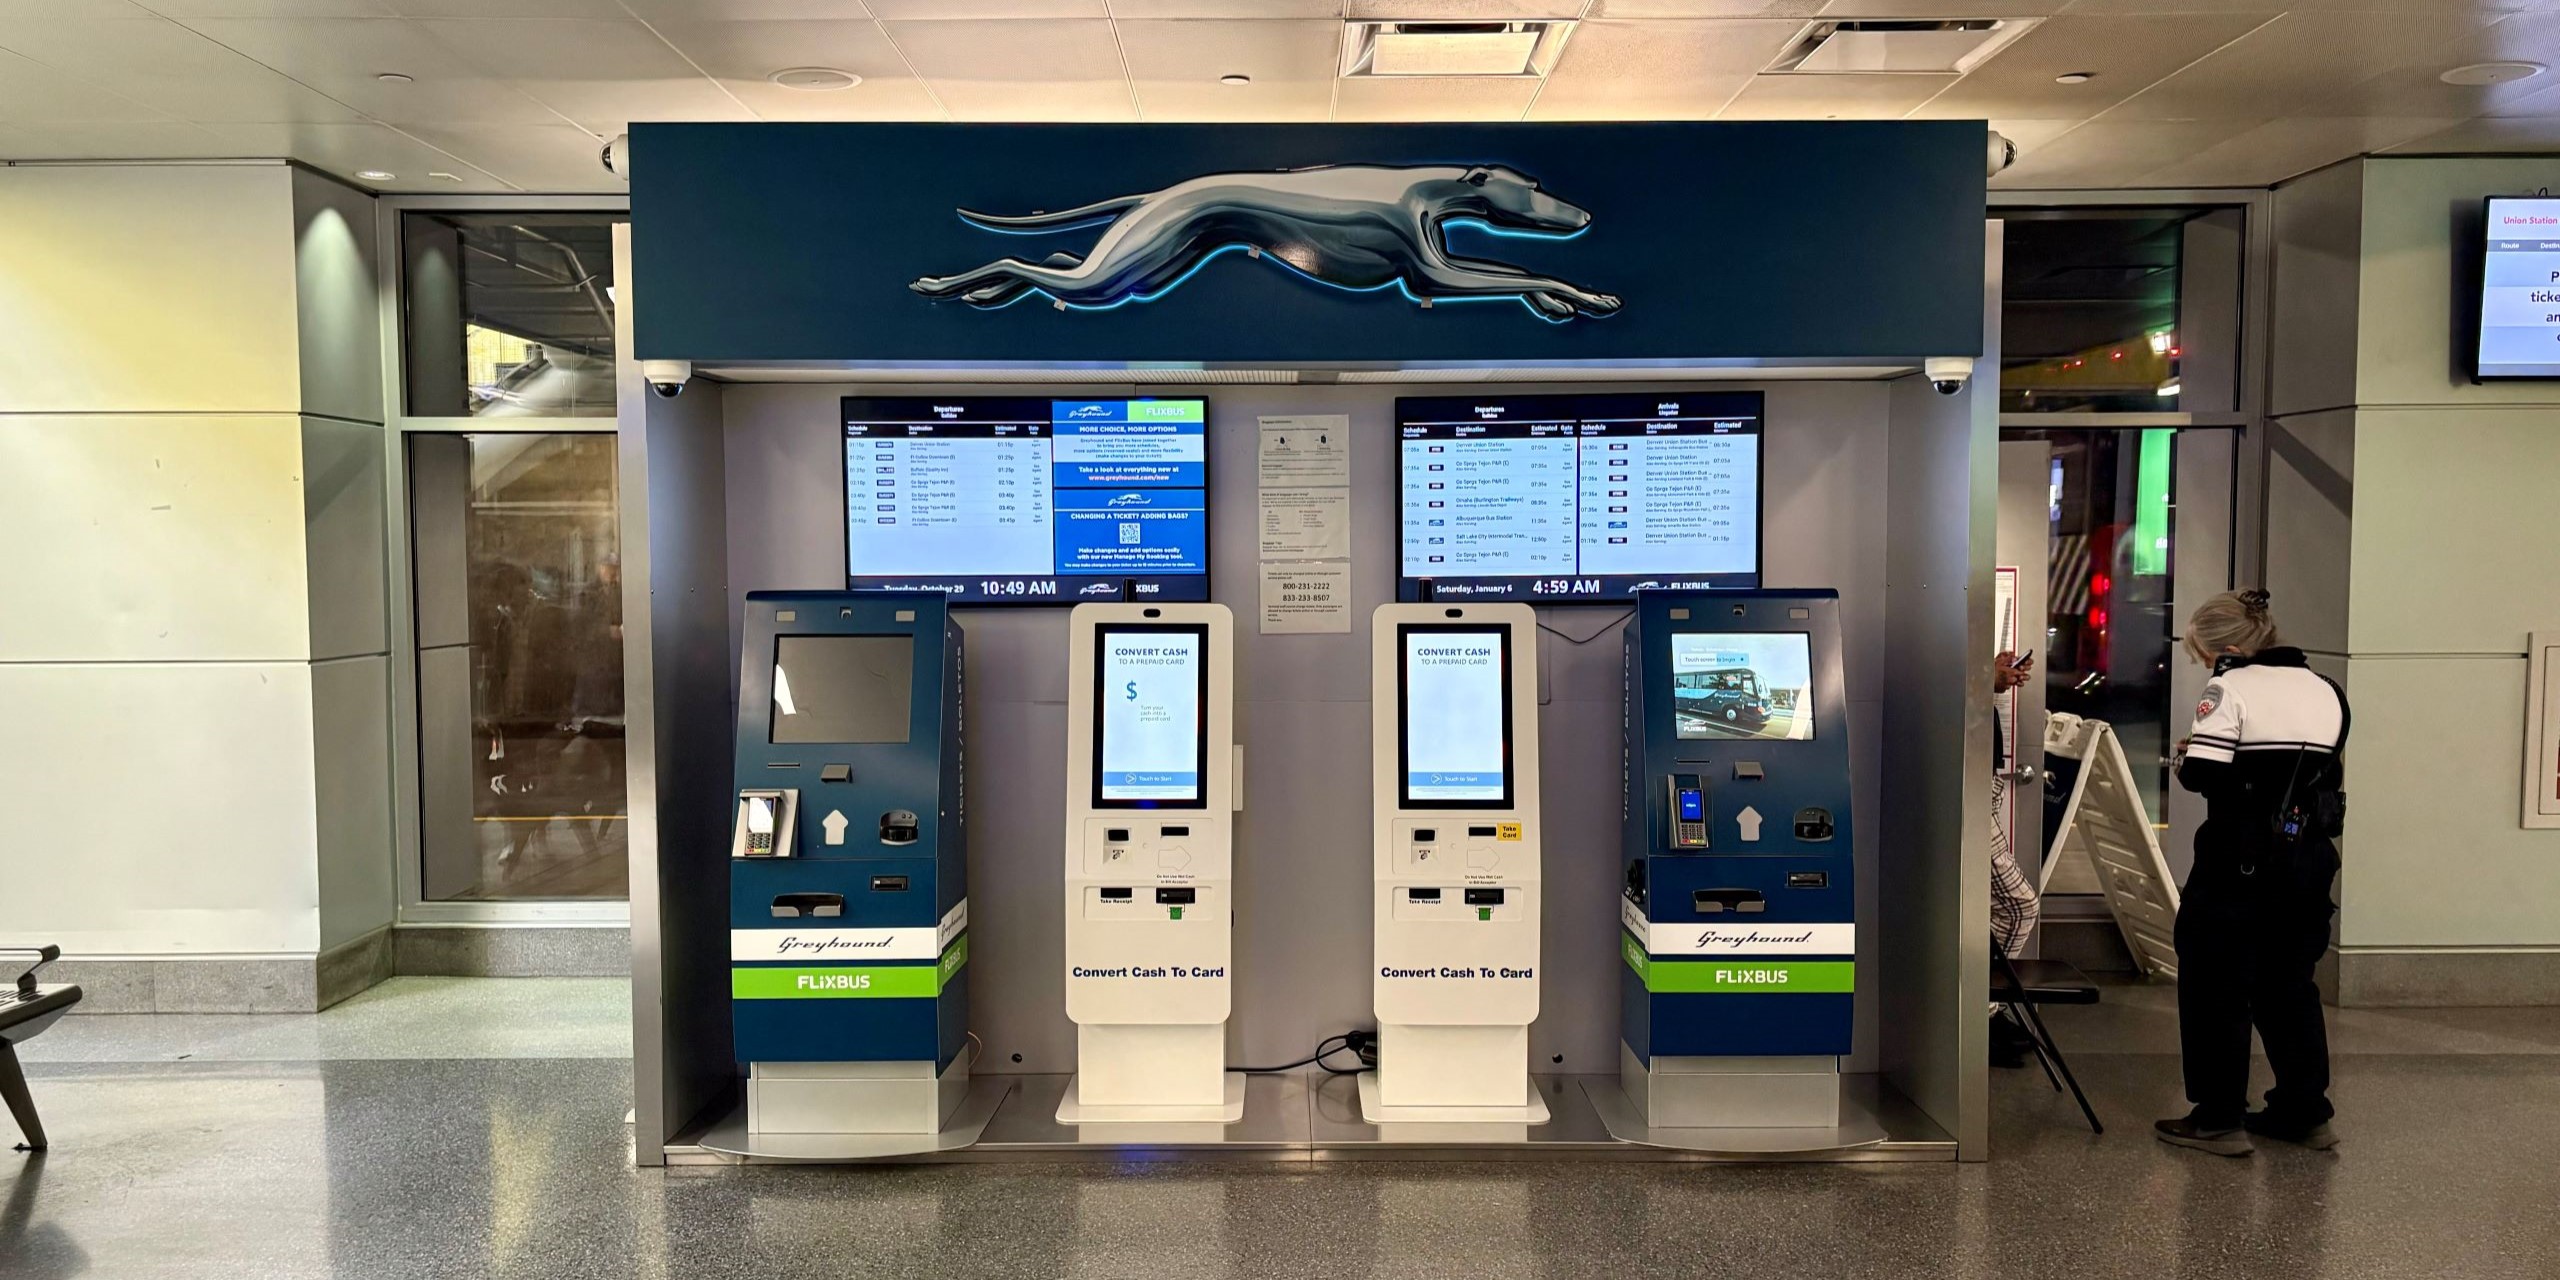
(441, 176)
(1235, 79)
(394, 77)
(2075, 77)
(815, 79)
(376, 175)
(2492, 73)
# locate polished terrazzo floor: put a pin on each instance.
(443, 1128)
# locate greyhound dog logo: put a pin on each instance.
(1361, 228)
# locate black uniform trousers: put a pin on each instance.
(2247, 947)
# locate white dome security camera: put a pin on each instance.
(617, 156)
(1947, 373)
(667, 377)
(2003, 153)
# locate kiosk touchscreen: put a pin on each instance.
(1740, 938)
(1455, 817)
(1151, 799)
(848, 902)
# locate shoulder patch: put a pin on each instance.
(2211, 703)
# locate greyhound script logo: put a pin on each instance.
(1361, 228)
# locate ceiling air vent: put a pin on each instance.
(1452, 48)
(1890, 46)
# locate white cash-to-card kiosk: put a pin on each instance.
(1152, 792)
(1455, 761)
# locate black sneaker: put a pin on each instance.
(2318, 1137)
(2185, 1132)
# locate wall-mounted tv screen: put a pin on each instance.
(2520, 290)
(1559, 499)
(1005, 500)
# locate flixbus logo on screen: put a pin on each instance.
(850, 982)
(1726, 977)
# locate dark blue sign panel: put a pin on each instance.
(1308, 243)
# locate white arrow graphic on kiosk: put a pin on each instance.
(835, 824)
(1749, 821)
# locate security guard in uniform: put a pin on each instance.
(2267, 755)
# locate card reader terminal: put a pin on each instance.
(1688, 811)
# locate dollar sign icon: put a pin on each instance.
(1132, 687)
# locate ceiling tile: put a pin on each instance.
(1475, 10)
(657, 11)
(2416, 89)
(1063, 70)
(2281, 149)
(2297, 59)
(1433, 98)
(342, 57)
(1662, 70)
(169, 67)
(603, 9)
(2488, 135)
(31, 92)
(268, 8)
(2127, 55)
(2111, 153)
(1832, 97)
(601, 75)
(969, 10)
(1127, 9)
(1706, 8)
(1176, 64)
(2490, 7)
(743, 55)
(342, 149)
(106, 140)
(1950, 8)
(551, 158)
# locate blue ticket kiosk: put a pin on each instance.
(1739, 928)
(848, 864)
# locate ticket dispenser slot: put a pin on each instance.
(767, 825)
(792, 906)
(1744, 901)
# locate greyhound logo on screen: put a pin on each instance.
(1361, 228)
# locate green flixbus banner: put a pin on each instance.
(1727, 977)
(850, 981)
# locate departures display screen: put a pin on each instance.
(1557, 499)
(1454, 695)
(1151, 744)
(1004, 500)
(2520, 290)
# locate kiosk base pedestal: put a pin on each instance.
(1227, 1111)
(1374, 1111)
(984, 1095)
(1732, 1093)
(827, 1099)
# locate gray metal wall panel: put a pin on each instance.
(2319, 245)
(1303, 860)
(339, 316)
(2311, 464)
(1936, 798)
(343, 533)
(351, 774)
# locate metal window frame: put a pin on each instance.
(391, 259)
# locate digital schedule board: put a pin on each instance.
(1561, 499)
(1005, 500)
(2520, 290)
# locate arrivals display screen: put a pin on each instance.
(1001, 500)
(1453, 697)
(1558, 499)
(842, 688)
(2520, 290)
(1753, 685)
(1150, 741)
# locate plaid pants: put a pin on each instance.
(2014, 905)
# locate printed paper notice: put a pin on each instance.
(1308, 452)
(1306, 598)
(1306, 524)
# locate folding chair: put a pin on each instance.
(2019, 986)
(26, 1009)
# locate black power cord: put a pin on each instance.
(1362, 1045)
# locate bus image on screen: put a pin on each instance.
(1756, 685)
